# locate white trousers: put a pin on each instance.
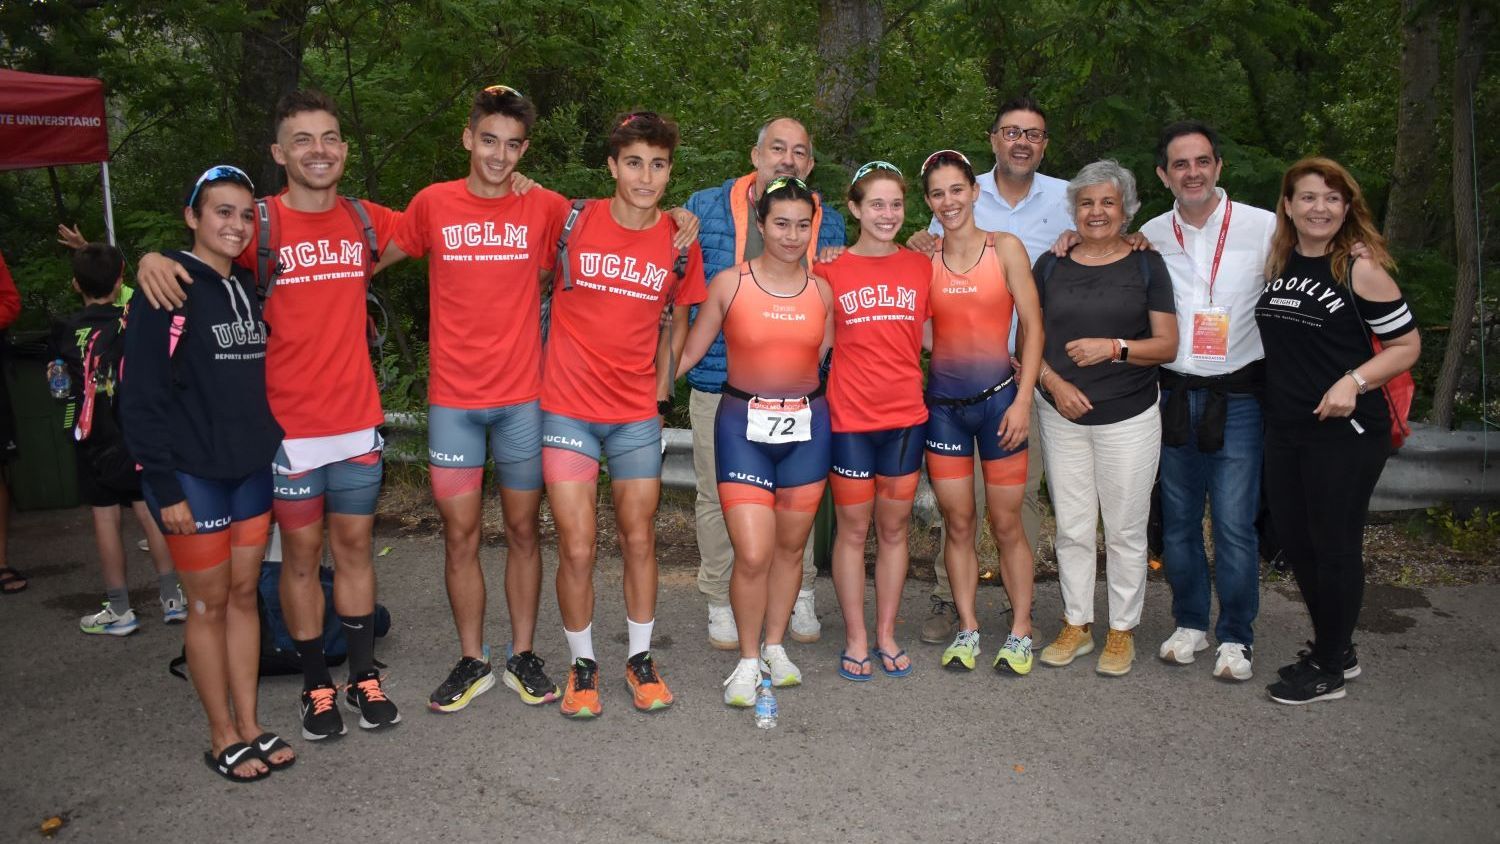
(1108, 470)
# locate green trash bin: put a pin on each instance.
(44, 475)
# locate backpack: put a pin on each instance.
(679, 268)
(278, 653)
(268, 266)
(96, 429)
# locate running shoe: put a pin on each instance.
(469, 679)
(1350, 664)
(1073, 641)
(784, 672)
(320, 714)
(524, 674)
(1180, 647)
(650, 691)
(1311, 684)
(722, 634)
(366, 697)
(1118, 654)
(1233, 662)
(581, 698)
(963, 651)
(805, 626)
(1014, 655)
(107, 622)
(740, 686)
(174, 609)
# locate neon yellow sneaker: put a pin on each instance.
(1014, 655)
(963, 651)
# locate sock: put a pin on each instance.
(314, 664)
(359, 630)
(581, 643)
(119, 600)
(167, 585)
(640, 635)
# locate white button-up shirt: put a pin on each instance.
(1242, 275)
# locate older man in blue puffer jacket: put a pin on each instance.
(728, 237)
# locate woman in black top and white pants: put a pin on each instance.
(1327, 421)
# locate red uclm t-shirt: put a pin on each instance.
(318, 374)
(601, 349)
(879, 307)
(484, 256)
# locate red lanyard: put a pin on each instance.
(1213, 271)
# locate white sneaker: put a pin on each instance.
(774, 661)
(143, 545)
(805, 625)
(1182, 644)
(722, 633)
(1233, 662)
(739, 689)
(174, 609)
(107, 623)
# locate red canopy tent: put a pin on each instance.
(50, 120)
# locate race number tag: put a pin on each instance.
(776, 421)
(1211, 334)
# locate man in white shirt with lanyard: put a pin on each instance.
(1216, 251)
(1013, 198)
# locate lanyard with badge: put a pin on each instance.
(778, 420)
(1211, 323)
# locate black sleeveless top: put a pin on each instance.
(1314, 330)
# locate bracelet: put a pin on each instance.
(1359, 381)
(1116, 355)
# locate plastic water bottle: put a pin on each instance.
(765, 705)
(58, 381)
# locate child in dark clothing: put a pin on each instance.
(195, 415)
(89, 344)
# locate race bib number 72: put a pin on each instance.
(776, 421)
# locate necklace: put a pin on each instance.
(1112, 250)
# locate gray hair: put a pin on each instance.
(1107, 171)
(760, 137)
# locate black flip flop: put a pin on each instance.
(266, 744)
(9, 576)
(230, 757)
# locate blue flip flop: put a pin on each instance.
(900, 672)
(850, 675)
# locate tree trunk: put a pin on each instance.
(849, 33)
(270, 67)
(1408, 223)
(1468, 60)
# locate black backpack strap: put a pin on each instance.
(267, 267)
(562, 242)
(372, 242)
(378, 319)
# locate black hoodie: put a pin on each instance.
(201, 410)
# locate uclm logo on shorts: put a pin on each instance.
(213, 524)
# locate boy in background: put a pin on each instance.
(90, 344)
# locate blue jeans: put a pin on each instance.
(1230, 478)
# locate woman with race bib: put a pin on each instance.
(771, 433)
(875, 404)
(980, 402)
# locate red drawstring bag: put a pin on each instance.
(1398, 395)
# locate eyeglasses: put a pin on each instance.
(1013, 133)
(219, 173)
(936, 158)
(872, 166)
(637, 115)
(785, 183)
(501, 89)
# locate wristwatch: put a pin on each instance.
(1124, 351)
(664, 407)
(1359, 380)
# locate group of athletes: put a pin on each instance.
(558, 331)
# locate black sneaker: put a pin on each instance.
(469, 679)
(1309, 685)
(320, 714)
(1350, 666)
(366, 697)
(524, 674)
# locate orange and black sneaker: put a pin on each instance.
(320, 714)
(367, 697)
(651, 692)
(581, 698)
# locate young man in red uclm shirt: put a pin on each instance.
(604, 386)
(487, 246)
(322, 391)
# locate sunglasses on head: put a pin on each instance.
(219, 173)
(638, 115)
(872, 166)
(784, 183)
(937, 158)
(501, 89)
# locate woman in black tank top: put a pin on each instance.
(1327, 420)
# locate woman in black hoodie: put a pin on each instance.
(195, 416)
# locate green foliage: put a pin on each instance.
(1478, 534)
